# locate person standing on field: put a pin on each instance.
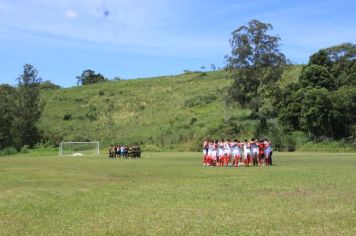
(221, 152)
(261, 153)
(247, 153)
(254, 150)
(205, 151)
(267, 145)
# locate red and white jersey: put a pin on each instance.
(227, 147)
(261, 147)
(254, 147)
(247, 147)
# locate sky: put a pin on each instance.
(146, 38)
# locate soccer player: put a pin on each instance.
(270, 154)
(247, 153)
(216, 146)
(118, 151)
(205, 151)
(261, 153)
(221, 152)
(112, 151)
(227, 152)
(254, 150)
(236, 152)
(267, 151)
(214, 150)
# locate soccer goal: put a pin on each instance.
(78, 148)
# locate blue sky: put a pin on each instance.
(144, 38)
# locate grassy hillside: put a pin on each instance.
(172, 112)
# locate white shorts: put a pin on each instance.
(247, 152)
(267, 151)
(221, 152)
(213, 155)
(210, 152)
(236, 153)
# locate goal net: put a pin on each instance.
(78, 148)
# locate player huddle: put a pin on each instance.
(236, 153)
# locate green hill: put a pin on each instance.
(172, 112)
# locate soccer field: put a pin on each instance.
(173, 194)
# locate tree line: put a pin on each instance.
(20, 109)
(322, 104)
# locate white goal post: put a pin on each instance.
(79, 148)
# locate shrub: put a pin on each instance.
(193, 120)
(150, 148)
(67, 117)
(8, 151)
(25, 149)
(91, 116)
(200, 100)
(44, 144)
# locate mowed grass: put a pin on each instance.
(173, 194)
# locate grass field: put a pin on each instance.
(173, 194)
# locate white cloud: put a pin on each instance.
(70, 13)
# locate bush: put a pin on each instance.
(8, 151)
(200, 100)
(193, 120)
(44, 144)
(91, 116)
(150, 148)
(25, 149)
(67, 117)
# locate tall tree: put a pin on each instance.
(256, 63)
(90, 77)
(7, 109)
(28, 108)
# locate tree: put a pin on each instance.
(339, 60)
(317, 76)
(28, 108)
(255, 62)
(90, 77)
(291, 106)
(212, 67)
(343, 115)
(323, 102)
(315, 117)
(7, 109)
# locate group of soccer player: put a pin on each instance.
(118, 151)
(236, 153)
